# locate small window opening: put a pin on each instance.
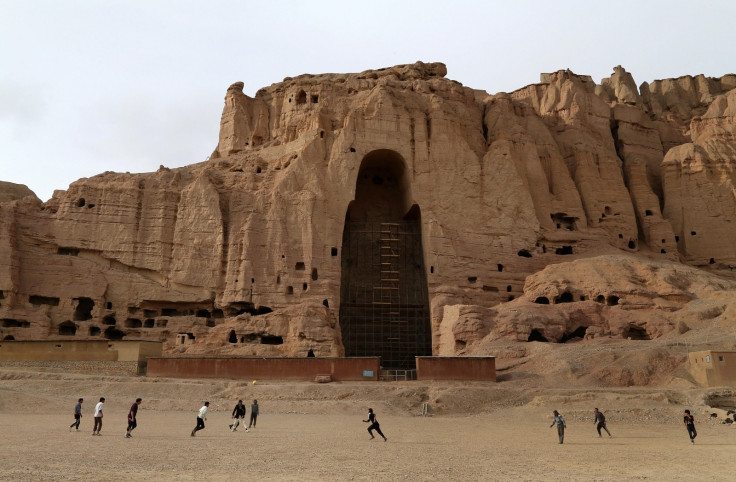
(299, 266)
(233, 338)
(290, 290)
(304, 286)
(663, 251)
(712, 261)
(326, 303)
(508, 289)
(600, 299)
(149, 323)
(620, 236)
(315, 99)
(472, 279)
(315, 275)
(693, 233)
(108, 320)
(524, 253)
(511, 298)
(352, 149)
(258, 170)
(648, 212)
(81, 202)
(278, 279)
(431, 269)
(632, 244)
(333, 251)
(500, 267)
(90, 205)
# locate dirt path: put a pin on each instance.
(314, 432)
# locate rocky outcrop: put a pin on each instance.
(505, 188)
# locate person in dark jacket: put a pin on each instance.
(253, 413)
(238, 416)
(77, 415)
(689, 421)
(374, 425)
(133, 417)
(601, 420)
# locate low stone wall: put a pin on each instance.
(79, 350)
(340, 369)
(478, 368)
(107, 368)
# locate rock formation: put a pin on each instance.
(564, 190)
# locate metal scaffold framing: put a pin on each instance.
(384, 308)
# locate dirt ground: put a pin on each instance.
(308, 431)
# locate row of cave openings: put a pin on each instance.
(302, 97)
(567, 297)
(523, 253)
(631, 332)
(299, 266)
(151, 318)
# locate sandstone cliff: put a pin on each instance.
(243, 253)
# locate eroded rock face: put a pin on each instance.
(505, 187)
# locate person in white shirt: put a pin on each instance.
(98, 417)
(201, 417)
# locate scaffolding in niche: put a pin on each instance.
(384, 309)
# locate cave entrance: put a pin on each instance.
(384, 302)
(634, 332)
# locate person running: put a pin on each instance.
(689, 421)
(201, 417)
(98, 417)
(374, 425)
(77, 415)
(253, 413)
(238, 415)
(561, 425)
(132, 417)
(601, 419)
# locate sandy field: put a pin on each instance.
(308, 431)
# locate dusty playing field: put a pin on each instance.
(314, 432)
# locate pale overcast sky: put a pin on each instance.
(88, 86)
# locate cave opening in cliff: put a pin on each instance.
(537, 335)
(575, 335)
(633, 332)
(67, 329)
(384, 302)
(83, 311)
